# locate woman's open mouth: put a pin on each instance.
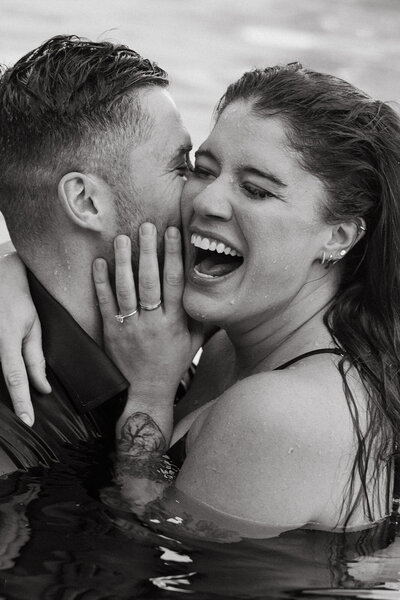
(214, 258)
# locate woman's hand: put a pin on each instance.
(149, 340)
(21, 352)
(153, 346)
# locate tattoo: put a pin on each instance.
(141, 436)
(141, 451)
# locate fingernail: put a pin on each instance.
(172, 233)
(147, 228)
(26, 419)
(121, 241)
(99, 264)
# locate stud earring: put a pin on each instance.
(331, 259)
(341, 254)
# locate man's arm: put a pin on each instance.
(21, 354)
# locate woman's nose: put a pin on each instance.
(212, 203)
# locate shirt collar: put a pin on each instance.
(87, 374)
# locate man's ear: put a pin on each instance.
(85, 200)
(343, 237)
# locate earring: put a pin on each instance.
(331, 258)
(341, 254)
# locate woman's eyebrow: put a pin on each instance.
(205, 153)
(264, 173)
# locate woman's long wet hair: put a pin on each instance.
(352, 144)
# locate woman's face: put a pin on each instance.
(251, 213)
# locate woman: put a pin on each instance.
(291, 223)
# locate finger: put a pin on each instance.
(105, 295)
(16, 379)
(34, 359)
(149, 277)
(173, 281)
(124, 282)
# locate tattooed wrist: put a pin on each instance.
(141, 450)
(140, 436)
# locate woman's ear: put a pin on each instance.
(85, 200)
(344, 236)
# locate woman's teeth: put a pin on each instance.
(212, 245)
(213, 258)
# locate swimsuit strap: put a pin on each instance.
(311, 353)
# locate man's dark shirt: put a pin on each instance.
(87, 392)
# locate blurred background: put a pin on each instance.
(206, 44)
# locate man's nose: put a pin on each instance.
(213, 203)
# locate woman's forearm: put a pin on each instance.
(147, 336)
(20, 335)
(143, 433)
(145, 426)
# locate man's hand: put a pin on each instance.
(21, 352)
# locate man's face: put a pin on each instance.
(157, 170)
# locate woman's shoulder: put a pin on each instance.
(305, 398)
(286, 434)
(309, 394)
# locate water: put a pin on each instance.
(59, 541)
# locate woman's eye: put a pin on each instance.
(255, 192)
(202, 171)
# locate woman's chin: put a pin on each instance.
(201, 308)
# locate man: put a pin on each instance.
(91, 145)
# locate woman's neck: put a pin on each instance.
(295, 329)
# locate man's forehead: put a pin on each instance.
(167, 128)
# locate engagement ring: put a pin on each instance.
(120, 318)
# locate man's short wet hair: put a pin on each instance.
(69, 105)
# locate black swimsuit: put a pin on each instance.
(307, 354)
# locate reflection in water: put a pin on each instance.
(60, 541)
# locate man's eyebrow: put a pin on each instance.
(264, 173)
(181, 151)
